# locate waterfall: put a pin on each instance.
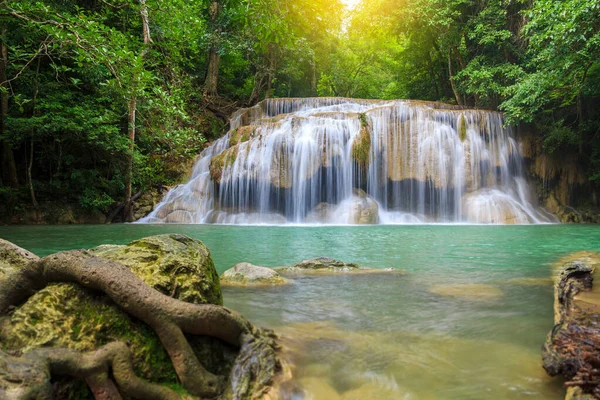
(348, 161)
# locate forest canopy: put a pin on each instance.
(102, 99)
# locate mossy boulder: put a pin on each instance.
(66, 315)
(246, 274)
(173, 264)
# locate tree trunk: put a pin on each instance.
(9, 168)
(454, 90)
(214, 58)
(145, 23)
(131, 117)
(131, 111)
(257, 89)
(212, 73)
(313, 77)
(30, 165)
(270, 72)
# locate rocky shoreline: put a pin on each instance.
(572, 348)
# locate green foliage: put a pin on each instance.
(74, 67)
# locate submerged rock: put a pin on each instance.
(529, 281)
(467, 290)
(246, 274)
(67, 315)
(571, 348)
(318, 388)
(392, 365)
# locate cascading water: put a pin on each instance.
(340, 161)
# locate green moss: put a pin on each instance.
(174, 264)
(241, 135)
(361, 148)
(462, 128)
(226, 158)
(98, 317)
(363, 120)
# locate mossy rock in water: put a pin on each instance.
(66, 315)
(321, 263)
(173, 264)
(326, 266)
(218, 162)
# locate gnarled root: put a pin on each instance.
(107, 371)
(170, 318)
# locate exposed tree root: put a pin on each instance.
(107, 371)
(170, 318)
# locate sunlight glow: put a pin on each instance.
(350, 4)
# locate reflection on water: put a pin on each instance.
(466, 322)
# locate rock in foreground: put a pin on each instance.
(246, 274)
(572, 347)
(107, 327)
(173, 264)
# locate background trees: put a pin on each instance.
(100, 99)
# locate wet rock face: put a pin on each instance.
(246, 274)
(359, 209)
(571, 348)
(321, 213)
(364, 209)
(66, 315)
